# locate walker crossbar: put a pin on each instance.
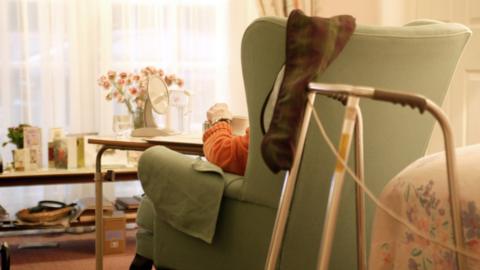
(344, 92)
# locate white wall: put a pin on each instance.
(365, 11)
(397, 12)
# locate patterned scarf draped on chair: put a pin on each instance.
(312, 43)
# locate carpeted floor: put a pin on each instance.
(74, 251)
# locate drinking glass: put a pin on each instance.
(122, 125)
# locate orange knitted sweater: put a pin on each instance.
(226, 150)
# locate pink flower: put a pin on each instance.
(179, 82)
(106, 85)
(387, 257)
(169, 79)
(160, 72)
(133, 90)
(147, 71)
(111, 75)
(151, 70)
(472, 243)
(423, 224)
(101, 80)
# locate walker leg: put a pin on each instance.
(337, 184)
(452, 176)
(359, 195)
(287, 192)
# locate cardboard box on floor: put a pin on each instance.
(114, 233)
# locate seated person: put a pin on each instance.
(220, 146)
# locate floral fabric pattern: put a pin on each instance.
(420, 195)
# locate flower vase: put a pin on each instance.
(19, 157)
(137, 117)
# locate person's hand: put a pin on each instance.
(218, 112)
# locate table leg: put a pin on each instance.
(98, 221)
(99, 201)
(99, 210)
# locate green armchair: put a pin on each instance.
(419, 57)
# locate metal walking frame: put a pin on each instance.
(353, 119)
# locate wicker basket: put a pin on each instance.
(44, 216)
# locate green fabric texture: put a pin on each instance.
(183, 197)
(144, 241)
(417, 58)
(145, 221)
(233, 182)
(241, 240)
(312, 43)
(144, 217)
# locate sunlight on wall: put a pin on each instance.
(365, 11)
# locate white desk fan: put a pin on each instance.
(157, 101)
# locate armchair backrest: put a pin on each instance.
(420, 57)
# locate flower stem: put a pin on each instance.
(129, 105)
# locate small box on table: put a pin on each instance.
(69, 152)
(114, 233)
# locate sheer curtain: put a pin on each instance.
(53, 51)
(283, 7)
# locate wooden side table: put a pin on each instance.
(60, 176)
(186, 144)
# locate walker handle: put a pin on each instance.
(412, 100)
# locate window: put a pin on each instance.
(57, 49)
(187, 38)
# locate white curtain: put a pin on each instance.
(53, 51)
(284, 7)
